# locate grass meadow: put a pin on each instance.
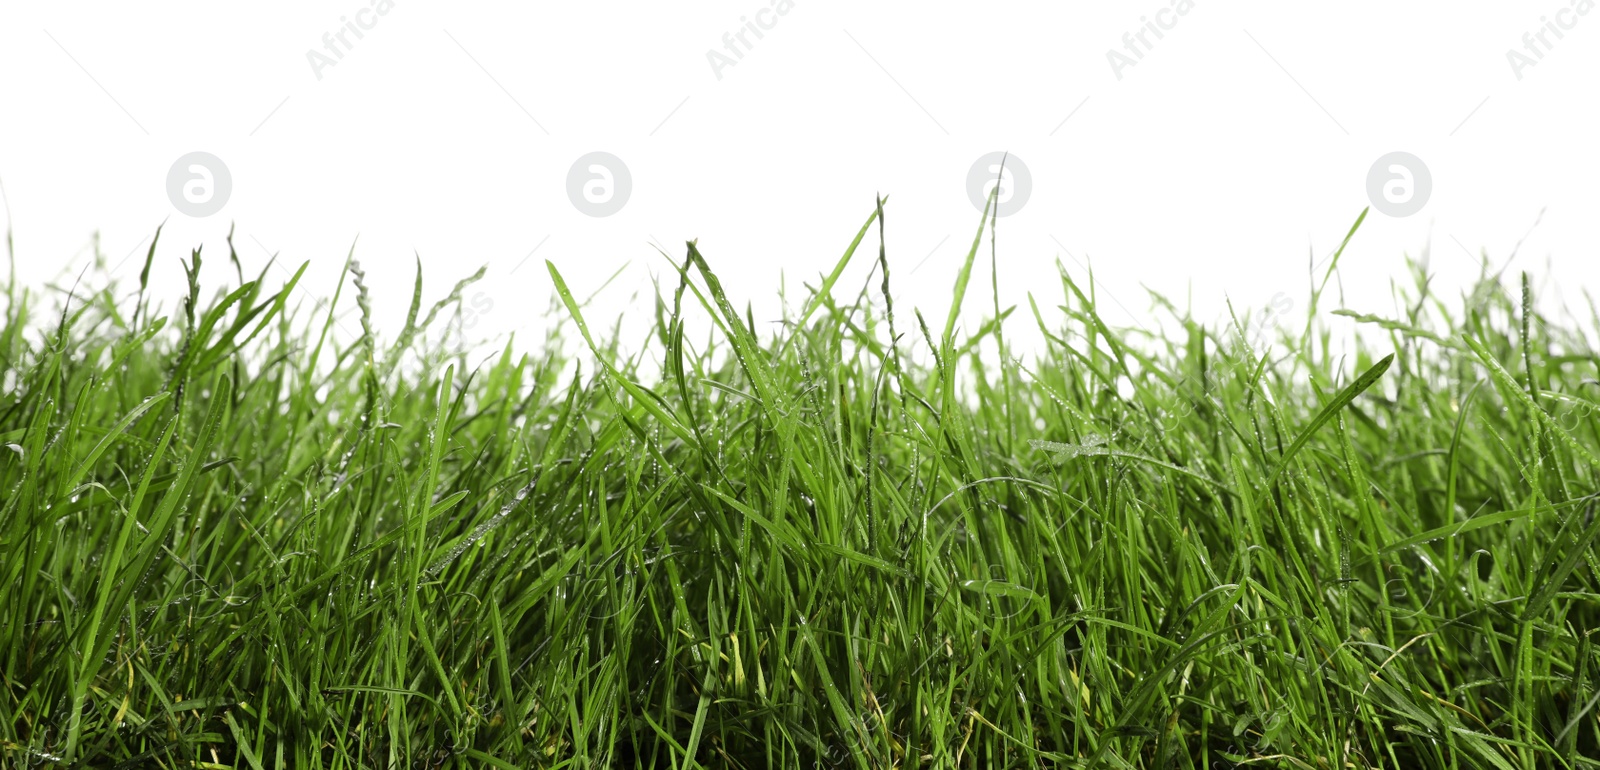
(231, 537)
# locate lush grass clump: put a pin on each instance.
(856, 538)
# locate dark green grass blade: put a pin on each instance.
(1339, 401)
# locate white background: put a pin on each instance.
(1235, 148)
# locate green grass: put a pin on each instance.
(231, 537)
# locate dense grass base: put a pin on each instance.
(231, 540)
